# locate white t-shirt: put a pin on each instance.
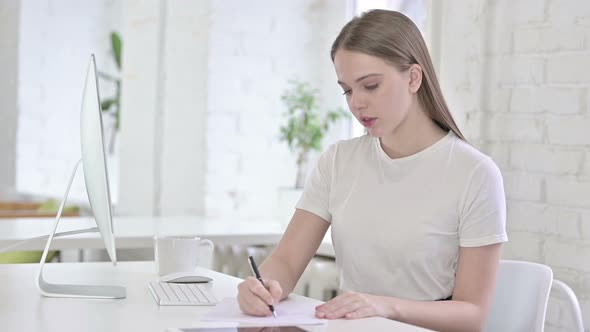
(397, 224)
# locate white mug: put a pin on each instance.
(179, 253)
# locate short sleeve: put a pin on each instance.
(482, 218)
(316, 193)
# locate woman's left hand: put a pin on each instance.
(353, 305)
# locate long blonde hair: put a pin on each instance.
(393, 37)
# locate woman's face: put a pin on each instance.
(377, 93)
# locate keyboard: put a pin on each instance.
(181, 293)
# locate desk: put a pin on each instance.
(23, 309)
(138, 232)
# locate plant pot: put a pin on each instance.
(287, 197)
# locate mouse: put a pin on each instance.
(184, 277)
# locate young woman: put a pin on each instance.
(417, 214)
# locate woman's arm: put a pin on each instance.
(296, 248)
(474, 286)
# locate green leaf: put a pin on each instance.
(116, 45)
(118, 118)
(105, 105)
(305, 124)
(107, 77)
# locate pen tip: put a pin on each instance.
(274, 314)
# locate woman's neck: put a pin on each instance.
(416, 133)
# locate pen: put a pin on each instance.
(257, 274)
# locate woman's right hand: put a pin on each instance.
(254, 299)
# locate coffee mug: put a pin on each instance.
(179, 253)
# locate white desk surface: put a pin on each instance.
(138, 232)
(23, 309)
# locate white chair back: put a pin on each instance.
(520, 298)
(572, 302)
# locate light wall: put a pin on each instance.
(201, 100)
(256, 47)
(9, 32)
(162, 155)
(517, 76)
(202, 105)
(55, 40)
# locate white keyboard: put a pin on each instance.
(181, 294)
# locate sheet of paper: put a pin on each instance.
(289, 312)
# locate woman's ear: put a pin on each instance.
(415, 78)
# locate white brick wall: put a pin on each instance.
(205, 139)
(9, 26)
(524, 246)
(184, 101)
(515, 128)
(523, 186)
(530, 111)
(545, 37)
(565, 253)
(541, 219)
(256, 47)
(565, 69)
(164, 102)
(555, 160)
(570, 130)
(56, 38)
(568, 191)
(520, 69)
(547, 100)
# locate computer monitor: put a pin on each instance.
(97, 187)
(94, 160)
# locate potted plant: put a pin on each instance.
(112, 106)
(305, 127)
(111, 109)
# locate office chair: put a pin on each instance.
(520, 299)
(572, 302)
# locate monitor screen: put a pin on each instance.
(94, 160)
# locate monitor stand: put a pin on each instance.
(80, 291)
